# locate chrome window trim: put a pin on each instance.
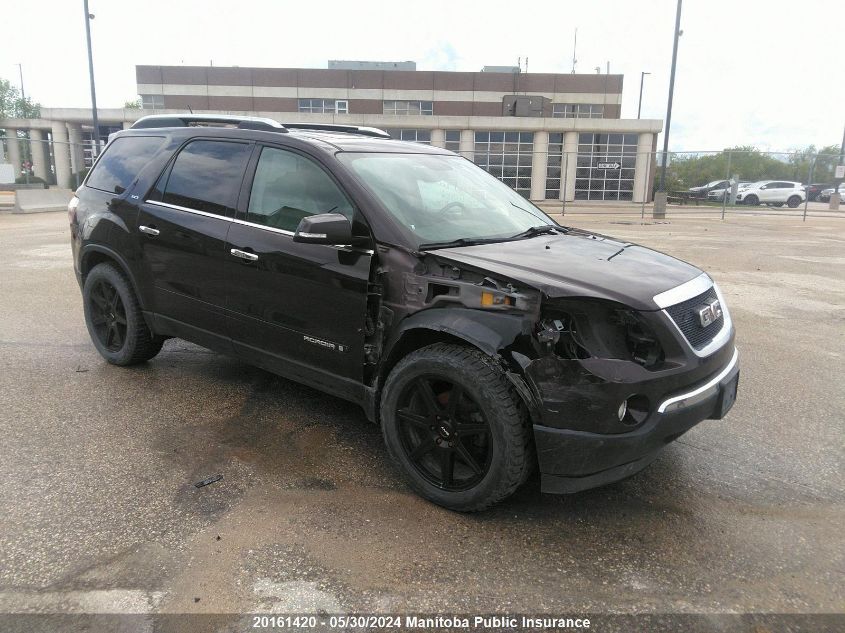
(167, 205)
(687, 290)
(253, 224)
(701, 393)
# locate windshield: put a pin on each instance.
(441, 199)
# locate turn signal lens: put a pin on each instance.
(489, 299)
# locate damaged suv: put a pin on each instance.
(485, 339)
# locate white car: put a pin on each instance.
(775, 193)
(824, 194)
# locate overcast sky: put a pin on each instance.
(757, 72)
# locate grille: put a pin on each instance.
(685, 316)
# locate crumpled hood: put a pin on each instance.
(579, 264)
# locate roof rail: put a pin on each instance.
(348, 129)
(199, 120)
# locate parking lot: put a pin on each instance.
(99, 512)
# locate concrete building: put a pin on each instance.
(549, 136)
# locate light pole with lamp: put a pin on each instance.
(88, 17)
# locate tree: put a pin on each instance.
(132, 105)
(13, 106)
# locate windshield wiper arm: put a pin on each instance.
(538, 230)
(461, 241)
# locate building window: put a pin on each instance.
(605, 167)
(577, 110)
(507, 155)
(413, 135)
(152, 102)
(324, 106)
(555, 167)
(453, 140)
(409, 107)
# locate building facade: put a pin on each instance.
(549, 136)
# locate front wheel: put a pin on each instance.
(114, 320)
(752, 200)
(455, 427)
(793, 202)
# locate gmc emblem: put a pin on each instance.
(709, 313)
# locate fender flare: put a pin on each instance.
(121, 261)
(490, 332)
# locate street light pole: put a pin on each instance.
(20, 70)
(662, 186)
(88, 18)
(640, 104)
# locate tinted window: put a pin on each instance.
(207, 176)
(123, 159)
(288, 187)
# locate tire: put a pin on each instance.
(114, 320)
(467, 456)
(752, 200)
(793, 202)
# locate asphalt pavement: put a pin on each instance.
(99, 512)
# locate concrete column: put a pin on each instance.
(61, 154)
(77, 156)
(569, 162)
(642, 168)
(467, 146)
(13, 150)
(40, 162)
(539, 162)
(438, 138)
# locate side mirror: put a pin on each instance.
(324, 228)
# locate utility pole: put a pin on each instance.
(88, 17)
(574, 47)
(640, 104)
(662, 186)
(23, 93)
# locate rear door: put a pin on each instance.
(182, 229)
(297, 309)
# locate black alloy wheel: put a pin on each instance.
(444, 433)
(108, 315)
(793, 202)
(752, 200)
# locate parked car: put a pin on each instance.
(703, 190)
(774, 193)
(824, 195)
(716, 195)
(484, 338)
(812, 191)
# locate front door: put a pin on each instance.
(297, 309)
(182, 229)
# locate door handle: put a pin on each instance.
(149, 230)
(250, 257)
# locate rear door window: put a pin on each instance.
(206, 176)
(123, 160)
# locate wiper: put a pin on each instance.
(539, 230)
(461, 241)
(533, 215)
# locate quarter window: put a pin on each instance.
(288, 187)
(123, 160)
(207, 176)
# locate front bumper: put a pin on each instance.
(572, 460)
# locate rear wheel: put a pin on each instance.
(752, 200)
(114, 320)
(455, 428)
(793, 201)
